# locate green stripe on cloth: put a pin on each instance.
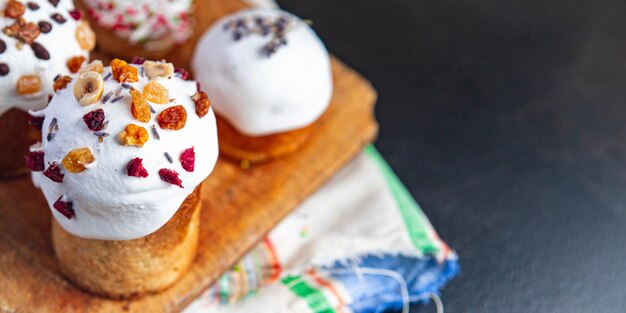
(415, 221)
(314, 298)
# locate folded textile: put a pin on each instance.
(359, 244)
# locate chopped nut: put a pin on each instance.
(22, 31)
(95, 66)
(28, 84)
(156, 93)
(75, 160)
(74, 63)
(173, 118)
(88, 88)
(128, 74)
(133, 135)
(85, 36)
(201, 99)
(61, 82)
(14, 9)
(158, 69)
(139, 107)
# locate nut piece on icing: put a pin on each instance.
(202, 102)
(95, 66)
(75, 160)
(85, 36)
(22, 31)
(88, 88)
(158, 69)
(133, 135)
(28, 84)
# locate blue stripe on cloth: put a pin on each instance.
(379, 293)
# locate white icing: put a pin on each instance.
(261, 95)
(155, 24)
(61, 45)
(109, 204)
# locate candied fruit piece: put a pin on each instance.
(64, 207)
(14, 9)
(74, 63)
(135, 168)
(76, 14)
(95, 66)
(139, 107)
(202, 102)
(155, 92)
(188, 160)
(170, 177)
(85, 36)
(54, 173)
(61, 82)
(182, 73)
(75, 160)
(88, 88)
(94, 120)
(173, 118)
(34, 161)
(116, 67)
(158, 69)
(138, 60)
(133, 135)
(128, 74)
(28, 84)
(36, 121)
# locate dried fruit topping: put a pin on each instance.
(188, 160)
(58, 18)
(74, 63)
(139, 107)
(95, 66)
(75, 160)
(135, 168)
(116, 67)
(138, 60)
(170, 177)
(156, 93)
(85, 36)
(133, 135)
(94, 120)
(61, 82)
(22, 31)
(128, 74)
(39, 51)
(65, 208)
(182, 73)
(34, 161)
(54, 173)
(88, 88)
(35, 121)
(76, 14)
(32, 5)
(28, 84)
(14, 9)
(173, 118)
(201, 99)
(158, 69)
(44, 27)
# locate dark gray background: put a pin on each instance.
(507, 122)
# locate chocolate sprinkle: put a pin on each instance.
(3, 46)
(4, 69)
(155, 133)
(168, 157)
(107, 97)
(116, 99)
(40, 51)
(58, 18)
(33, 6)
(44, 27)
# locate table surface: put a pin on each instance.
(506, 120)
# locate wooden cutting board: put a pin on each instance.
(239, 207)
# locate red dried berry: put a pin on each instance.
(138, 61)
(34, 161)
(94, 120)
(188, 159)
(182, 73)
(35, 121)
(76, 14)
(170, 177)
(136, 169)
(65, 208)
(54, 173)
